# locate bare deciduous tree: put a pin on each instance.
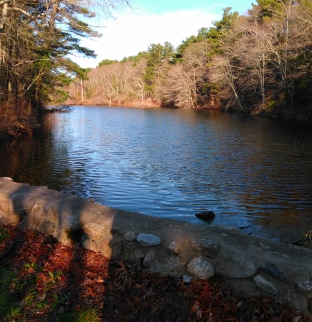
(184, 80)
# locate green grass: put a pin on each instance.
(13, 310)
(3, 234)
(88, 315)
(9, 311)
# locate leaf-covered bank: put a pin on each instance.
(42, 280)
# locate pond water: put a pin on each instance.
(254, 174)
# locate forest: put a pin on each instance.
(37, 40)
(258, 63)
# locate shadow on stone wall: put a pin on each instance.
(77, 222)
(254, 265)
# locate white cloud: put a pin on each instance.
(129, 34)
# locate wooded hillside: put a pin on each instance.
(259, 63)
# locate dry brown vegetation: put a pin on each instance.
(15, 122)
(259, 63)
(43, 280)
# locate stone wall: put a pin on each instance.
(253, 265)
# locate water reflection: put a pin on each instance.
(174, 163)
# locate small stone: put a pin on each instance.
(148, 239)
(304, 284)
(169, 265)
(275, 271)
(132, 253)
(90, 244)
(236, 267)
(307, 240)
(265, 285)
(149, 257)
(174, 247)
(206, 247)
(206, 215)
(130, 236)
(200, 268)
(187, 278)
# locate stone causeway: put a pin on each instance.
(254, 266)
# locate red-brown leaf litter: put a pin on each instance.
(49, 280)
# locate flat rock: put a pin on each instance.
(236, 267)
(148, 239)
(265, 285)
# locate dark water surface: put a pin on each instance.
(173, 163)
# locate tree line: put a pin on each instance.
(258, 63)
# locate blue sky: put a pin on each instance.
(155, 21)
(162, 6)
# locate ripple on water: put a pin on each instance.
(175, 163)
